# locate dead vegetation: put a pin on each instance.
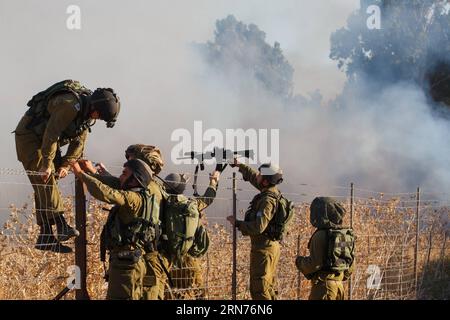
(386, 239)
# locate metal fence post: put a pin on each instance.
(207, 275)
(350, 285)
(416, 249)
(80, 241)
(299, 274)
(234, 275)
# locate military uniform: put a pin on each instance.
(154, 277)
(265, 253)
(325, 284)
(157, 261)
(127, 266)
(38, 147)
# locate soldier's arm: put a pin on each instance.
(317, 250)
(103, 192)
(109, 180)
(249, 174)
(63, 110)
(265, 213)
(208, 197)
(75, 148)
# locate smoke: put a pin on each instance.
(382, 138)
(381, 132)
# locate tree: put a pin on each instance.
(240, 47)
(412, 44)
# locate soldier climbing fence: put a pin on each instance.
(401, 245)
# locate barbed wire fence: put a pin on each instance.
(401, 246)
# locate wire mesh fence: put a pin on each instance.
(401, 246)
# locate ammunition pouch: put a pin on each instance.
(127, 255)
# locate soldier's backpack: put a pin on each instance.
(340, 251)
(284, 214)
(201, 242)
(38, 105)
(181, 219)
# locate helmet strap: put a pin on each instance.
(85, 106)
(126, 185)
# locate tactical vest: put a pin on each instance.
(250, 214)
(40, 115)
(143, 232)
(284, 213)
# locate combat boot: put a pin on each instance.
(64, 231)
(46, 241)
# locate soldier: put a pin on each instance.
(132, 225)
(189, 272)
(156, 259)
(60, 115)
(265, 250)
(331, 251)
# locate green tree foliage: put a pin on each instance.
(240, 47)
(412, 44)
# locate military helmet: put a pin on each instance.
(151, 155)
(107, 103)
(272, 173)
(326, 213)
(141, 171)
(177, 182)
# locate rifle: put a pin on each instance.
(223, 158)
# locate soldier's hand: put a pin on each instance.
(214, 177)
(101, 168)
(235, 163)
(76, 169)
(46, 173)
(232, 220)
(63, 172)
(87, 166)
(298, 262)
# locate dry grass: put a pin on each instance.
(386, 238)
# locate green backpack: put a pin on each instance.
(38, 107)
(279, 224)
(181, 219)
(201, 242)
(340, 252)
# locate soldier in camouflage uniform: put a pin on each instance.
(60, 115)
(265, 252)
(325, 213)
(131, 226)
(189, 273)
(156, 260)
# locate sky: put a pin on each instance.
(141, 50)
